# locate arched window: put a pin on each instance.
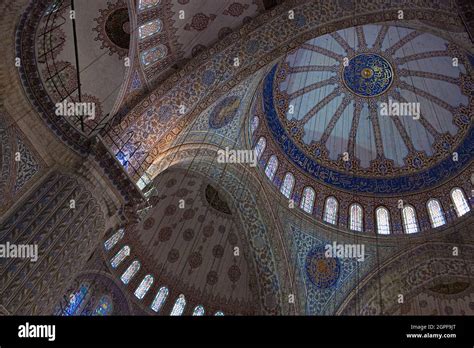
(179, 305)
(409, 219)
(330, 210)
(76, 301)
(146, 4)
(254, 124)
(436, 213)
(198, 311)
(120, 256)
(307, 201)
(153, 54)
(460, 203)
(160, 299)
(110, 243)
(287, 186)
(144, 286)
(130, 272)
(383, 220)
(260, 147)
(355, 216)
(219, 314)
(150, 28)
(104, 307)
(271, 167)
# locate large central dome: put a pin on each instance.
(375, 108)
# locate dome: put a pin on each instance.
(376, 109)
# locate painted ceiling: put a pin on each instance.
(100, 34)
(324, 105)
(185, 28)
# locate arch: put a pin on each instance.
(288, 183)
(219, 314)
(198, 311)
(179, 306)
(459, 200)
(307, 201)
(120, 256)
(144, 286)
(435, 212)
(382, 217)
(149, 29)
(271, 167)
(356, 217)
(260, 147)
(160, 299)
(104, 306)
(330, 210)
(77, 300)
(130, 272)
(146, 4)
(110, 243)
(410, 223)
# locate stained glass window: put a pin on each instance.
(383, 222)
(254, 124)
(120, 256)
(260, 147)
(330, 210)
(130, 272)
(145, 4)
(198, 311)
(160, 299)
(154, 54)
(271, 167)
(355, 216)
(150, 28)
(409, 219)
(219, 314)
(307, 201)
(287, 186)
(76, 299)
(179, 305)
(110, 243)
(144, 286)
(436, 213)
(460, 203)
(104, 307)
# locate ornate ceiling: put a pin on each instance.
(71, 53)
(324, 105)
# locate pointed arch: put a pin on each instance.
(120, 256)
(271, 167)
(330, 210)
(117, 236)
(160, 299)
(382, 217)
(198, 311)
(435, 212)
(307, 201)
(288, 183)
(130, 272)
(459, 200)
(356, 217)
(260, 147)
(410, 223)
(254, 124)
(144, 286)
(179, 306)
